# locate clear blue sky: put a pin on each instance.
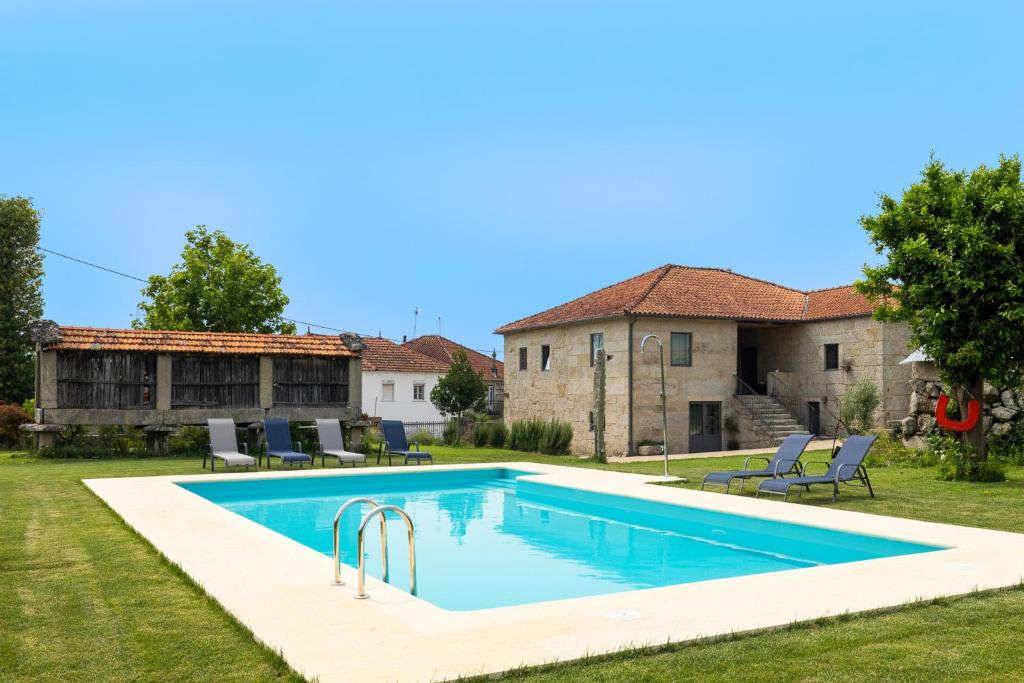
(485, 160)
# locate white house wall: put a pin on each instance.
(403, 407)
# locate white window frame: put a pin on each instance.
(422, 386)
(383, 386)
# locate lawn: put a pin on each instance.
(84, 598)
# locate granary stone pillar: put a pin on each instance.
(266, 382)
(163, 382)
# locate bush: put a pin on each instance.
(857, 407)
(29, 406)
(481, 434)
(423, 438)
(11, 417)
(1008, 447)
(498, 435)
(370, 442)
(556, 437)
(120, 442)
(535, 435)
(957, 462)
(451, 432)
(189, 440)
(888, 451)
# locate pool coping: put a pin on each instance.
(291, 604)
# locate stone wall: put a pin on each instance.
(1002, 408)
(868, 349)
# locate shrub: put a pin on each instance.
(451, 432)
(481, 434)
(29, 406)
(370, 442)
(857, 407)
(423, 438)
(524, 435)
(555, 438)
(189, 440)
(1008, 447)
(11, 417)
(498, 435)
(890, 451)
(957, 462)
(120, 442)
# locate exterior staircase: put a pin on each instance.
(771, 415)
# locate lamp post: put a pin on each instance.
(664, 398)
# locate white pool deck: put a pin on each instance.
(283, 591)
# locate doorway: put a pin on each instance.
(814, 417)
(748, 370)
(705, 427)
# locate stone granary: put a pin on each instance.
(161, 380)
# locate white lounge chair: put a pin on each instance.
(332, 444)
(224, 446)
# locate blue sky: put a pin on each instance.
(479, 160)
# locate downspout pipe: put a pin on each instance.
(629, 387)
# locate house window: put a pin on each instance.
(596, 342)
(831, 356)
(387, 391)
(418, 391)
(681, 345)
(522, 358)
(545, 357)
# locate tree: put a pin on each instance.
(954, 272)
(219, 286)
(21, 298)
(459, 389)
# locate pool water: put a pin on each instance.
(485, 538)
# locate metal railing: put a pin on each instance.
(759, 407)
(361, 593)
(337, 545)
(787, 398)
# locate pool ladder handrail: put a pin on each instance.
(337, 545)
(360, 544)
(361, 593)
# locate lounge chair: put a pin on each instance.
(332, 444)
(845, 468)
(224, 446)
(279, 443)
(396, 444)
(785, 461)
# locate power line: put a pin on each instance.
(291, 320)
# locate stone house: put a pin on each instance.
(490, 369)
(160, 380)
(774, 359)
(397, 381)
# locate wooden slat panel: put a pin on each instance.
(106, 380)
(310, 381)
(215, 381)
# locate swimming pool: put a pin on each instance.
(494, 537)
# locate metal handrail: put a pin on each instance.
(361, 594)
(383, 539)
(781, 392)
(758, 409)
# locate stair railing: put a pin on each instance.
(761, 410)
(781, 392)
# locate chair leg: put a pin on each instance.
(835, 492)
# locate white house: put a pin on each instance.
(397, 381)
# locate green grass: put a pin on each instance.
(83, 598)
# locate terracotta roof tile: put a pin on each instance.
(386, 355)
(689, 292)
(164, 341)
(442, 348)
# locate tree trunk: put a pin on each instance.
(975, 387)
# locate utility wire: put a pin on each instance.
(139, 279)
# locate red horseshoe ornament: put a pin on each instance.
(973, 413)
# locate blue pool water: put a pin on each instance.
(487, 539)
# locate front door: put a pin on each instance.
(748, 369)
(814, 417)
(705, 427)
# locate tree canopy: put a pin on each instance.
(460, 389)
(954, 272)
(21, 298)
(219, 286)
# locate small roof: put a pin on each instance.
(442, 349)
(174, 341)
(386, 356)
(693, 292)
(918, 356)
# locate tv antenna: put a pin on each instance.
(415, 318)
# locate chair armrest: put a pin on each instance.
(807, 464)
(839, 470)
(779, 463)
(245, 448)
(298, 446)
(754, 457)
(417, 445)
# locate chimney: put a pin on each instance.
(404, 339)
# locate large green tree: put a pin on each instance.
(460, 389)
(219, 286)
(21, 298)
(954, 271)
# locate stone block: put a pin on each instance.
(1003, 413)
(908, 426)
(1000, 428)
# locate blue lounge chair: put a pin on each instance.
(847, 467)
(396, 444)
(279, 443)
(785, 461)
